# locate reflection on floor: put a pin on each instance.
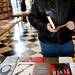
(22, 41)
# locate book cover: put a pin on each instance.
(7, 68)
(30, 68)
(31, 59)
(72, 66)
(42, 69)
(23, 68)
(8, 65)
(61, 69)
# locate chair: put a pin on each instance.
(7, 19)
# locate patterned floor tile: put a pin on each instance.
(9, 53)
(31, 45)
(34, 36)
(24, 35)
(22, 39)
(28, 38)
(5, 49)
(25, 32)
(36, 49)
(29, 53)
(32, 40)
(37, 42)
(37, 55)
(7, 41)
(2, 46)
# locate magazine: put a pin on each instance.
(30, 68)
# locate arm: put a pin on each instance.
(36, 19)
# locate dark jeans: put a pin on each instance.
(56, 50)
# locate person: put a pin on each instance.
(28, 5)
(54, 42)
(23, 8)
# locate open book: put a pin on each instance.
(52, 24)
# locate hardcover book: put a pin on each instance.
(29, 68)
(61, 69)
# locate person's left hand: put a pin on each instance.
(70, 25)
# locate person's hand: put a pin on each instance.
(70, 25)
(51, 29)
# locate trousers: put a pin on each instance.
(56, 50)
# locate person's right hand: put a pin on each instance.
(51, 29)
(70, 25)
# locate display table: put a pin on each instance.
(14, 65)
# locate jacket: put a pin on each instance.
(61, 11)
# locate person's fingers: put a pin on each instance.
(70, 25)
(50, 28)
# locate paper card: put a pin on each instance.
(11, 59)
(65, 60)
(24, 68)
(31, 59)
(29, 68)
(72, 66)
(7, 68)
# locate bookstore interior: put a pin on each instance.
(20, 49)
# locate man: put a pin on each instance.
(23, 8)
(54, 42)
